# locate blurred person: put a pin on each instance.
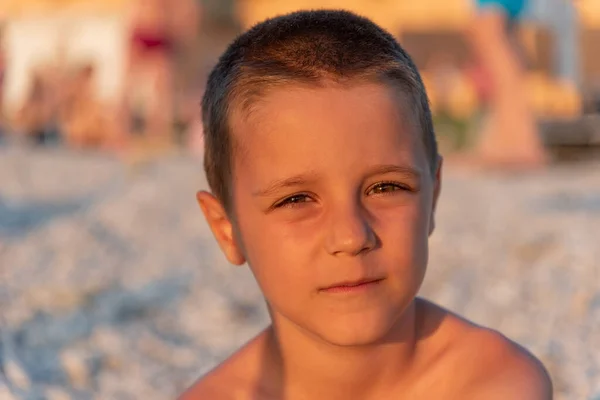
(148, 89)
(84, 119)
(36, 119)
(510, 135)
(324, 172)
(186, 19)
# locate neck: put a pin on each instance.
(310, 368)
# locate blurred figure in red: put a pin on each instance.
(510, 137)
(148, 88)
(162, 68)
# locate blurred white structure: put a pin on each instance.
(31, 41)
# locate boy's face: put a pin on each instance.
(332, 188)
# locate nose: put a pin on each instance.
(350, 232)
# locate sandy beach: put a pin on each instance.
(112, 287)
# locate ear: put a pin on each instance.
(437, 187)
(221, 227)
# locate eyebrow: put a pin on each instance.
(292, 181)
(406, 170)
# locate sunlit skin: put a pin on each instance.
(333, 201)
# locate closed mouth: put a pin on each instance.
(350, 285)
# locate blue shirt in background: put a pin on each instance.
(513, 8)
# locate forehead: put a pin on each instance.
(295, 127)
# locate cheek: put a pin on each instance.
(408, 223)
(281, 255)
(404, 236)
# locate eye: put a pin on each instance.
(386, 187)
(293, 200)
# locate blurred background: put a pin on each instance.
(111, 285)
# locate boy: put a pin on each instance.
(322, 161)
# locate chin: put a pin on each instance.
(356, 330)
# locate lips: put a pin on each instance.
(352, 286)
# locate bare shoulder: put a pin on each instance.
(507, 370)
(218, 384)
(491, 365)
(206, 387)
(235, 378)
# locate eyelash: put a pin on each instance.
(288, 203)
(396, 185)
